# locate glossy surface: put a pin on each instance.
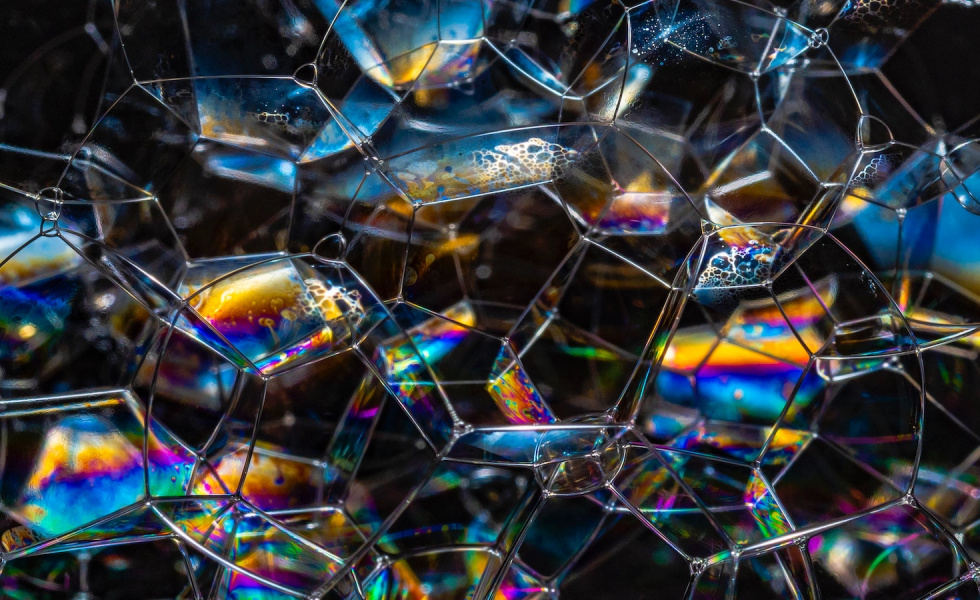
(489, 299)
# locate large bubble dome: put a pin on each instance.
(490, 299)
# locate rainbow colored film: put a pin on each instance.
(490, 300)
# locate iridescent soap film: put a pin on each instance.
(490, 299)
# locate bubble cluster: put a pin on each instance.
(489, 300)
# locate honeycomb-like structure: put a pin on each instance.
(489, 299)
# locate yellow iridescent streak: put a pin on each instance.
(67, 451)
(789, 438)
(28, 265)
(434, 338)
(516, 397)
(759, 331)
(92, 460)
(271, 477)
(302, 317)
(629, 207)
(764, 509)
(252, 296)
(73, 452)
(405, 69)
(932, 317)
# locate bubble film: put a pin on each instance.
(489, 299)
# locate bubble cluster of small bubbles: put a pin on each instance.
(534, 160)
(738, 266)
(873, 173)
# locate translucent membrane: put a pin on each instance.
(489, 299)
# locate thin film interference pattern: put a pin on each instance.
(489, 299)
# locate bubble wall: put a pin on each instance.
(490, 299)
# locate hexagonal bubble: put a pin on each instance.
(242, 541)
(746, 368)
(577, 360)
(728, 97)
(63, 63)
(863, 322)
(489, 71)
(627, 200)
(486, 238)
(120, 163)
(92, 460)
(943, 480)
(276, 115)
(283, 490)
(868, 423)
(917, 254)
(704, 506)
(478, 507)
(77, 329)
(231, 178)
(611, 557)
(493, 162)
(150, 566)
(908, 531)
(271, 313)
